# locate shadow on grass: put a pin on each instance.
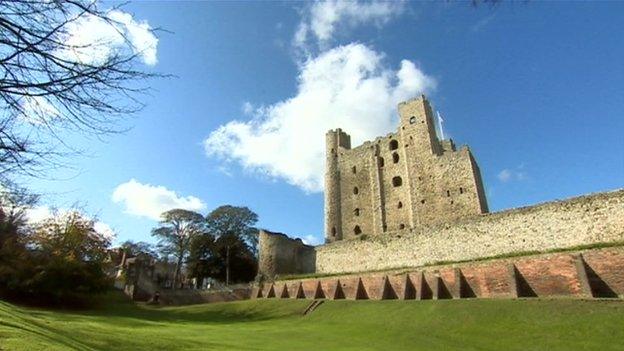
(128, 313)
(33, 327)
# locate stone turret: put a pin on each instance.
(334, 141)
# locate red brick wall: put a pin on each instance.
(542, 275)
(608, 264)
(555, 275)
(488, 281)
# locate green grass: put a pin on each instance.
(336, 325)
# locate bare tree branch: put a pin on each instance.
(51, 84)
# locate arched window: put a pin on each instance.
(401, 226)
(394, 145)
(356, 190)
(380, 161)
(395, 157)
(397, 181)
(354, 169)
(356, 212)
(357, 230)
(400, 205)
(333, 231)
(412, 119)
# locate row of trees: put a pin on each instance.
(60, 260)
(221, 245)
(64, 260)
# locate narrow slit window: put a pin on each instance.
(356, 212)
(461, 190)
(395, 157)
(356, 190)
(357, 230)
(354, 169)
(400, 205)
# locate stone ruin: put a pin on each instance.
(405, 203)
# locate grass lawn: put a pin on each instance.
(336, 325)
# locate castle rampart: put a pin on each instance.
(585, 220)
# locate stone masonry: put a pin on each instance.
(409, 200)
(404, 180)
(588, 274)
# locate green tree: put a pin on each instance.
(62, 261)
(231, 225)
(70, 236)
(132, 248)
(177, 229)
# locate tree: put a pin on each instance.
(177, 229)
(132, 248)
(70, 236)
(231, 224)
(14, 202)
(52, 79)
(60, 260)
(208, 259)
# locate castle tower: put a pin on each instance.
(334, 141)
(400, 181)
(418, 135)
(417, 126)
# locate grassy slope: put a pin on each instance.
(335, 325)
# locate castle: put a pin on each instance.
(403, 180)
(406, 217)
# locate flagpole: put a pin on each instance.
(440, 124)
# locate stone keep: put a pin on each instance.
(405, 180)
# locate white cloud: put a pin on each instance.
(36, 110)
(504, 175)
(93, 40)
(323, 18)
(348, 87)
(105, 230)
(311, 240)
(151, 200)
(507, 175)
(40, 213)
(247, 108)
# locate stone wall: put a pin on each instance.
(190, 297)
(597, 273)
(597, 218)
(280, 255)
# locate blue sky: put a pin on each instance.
(536, 89)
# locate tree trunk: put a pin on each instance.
(176, 274)
(227, 266)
